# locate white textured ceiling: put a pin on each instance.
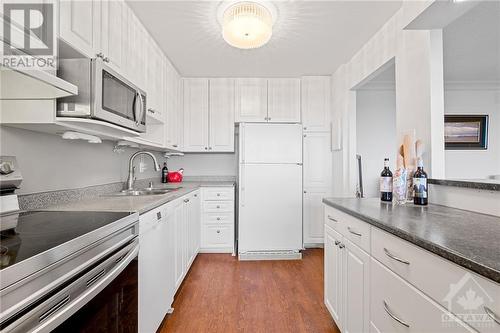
(472, 45)
(310, 37)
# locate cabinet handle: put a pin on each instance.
(268, 118)
(105, 59)
(186, 200)
(305, 128)
(196, 195)
(209, 148)
(218, 206)
(337, 242)
(492, 315)
(175, 146)
(158, 216)
(206, 148)
(390, 255)
(218, 194)
(341, 246)
(151, 110)
(353, 232)
(218, 219)
(100, 55)
(305, 191)
(386, 308)
(305, 135)
(332, 219)
(218, 231)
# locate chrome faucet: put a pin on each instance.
(131, 168)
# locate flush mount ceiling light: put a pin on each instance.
(247, 24)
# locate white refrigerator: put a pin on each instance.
(270, 191)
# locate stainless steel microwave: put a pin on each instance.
(103, 94)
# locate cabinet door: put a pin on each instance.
(195, 115)
(316, 113)
(221, 115)
(251, 100)
(317, 160)
(179, 242)
(333, 274)
(155, 82)
(136, 51)
(196, 210)
(174, 108)
(283, 100)
(79, 25)
(113, 32)
(313, 216)
(356, 272)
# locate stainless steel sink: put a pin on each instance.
(141, 192)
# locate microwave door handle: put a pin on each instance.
(137, 110)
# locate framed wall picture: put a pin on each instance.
(465, 132)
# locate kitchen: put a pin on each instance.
(210, 166)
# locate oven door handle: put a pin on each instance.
(63, 313)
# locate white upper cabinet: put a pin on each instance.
(195, 115)
(113, 32)
(251, 100)
(174, 119)
(79, 25)
(221, 115)
(283, 100)
(316, 113)
(155, 90)
(317, 160)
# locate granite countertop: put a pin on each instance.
(479, 184)
(469, 239)
(140, 204)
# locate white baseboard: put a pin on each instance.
(274, 255)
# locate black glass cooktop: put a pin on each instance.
(26, 234)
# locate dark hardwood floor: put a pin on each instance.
(222, 294)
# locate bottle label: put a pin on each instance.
(420, 187)
(385, 184)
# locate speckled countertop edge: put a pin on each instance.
(426, 244)
(95, 198)
(478, 185)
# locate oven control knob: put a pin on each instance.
(6, 168)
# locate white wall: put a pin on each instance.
(375, 134)
(471, 99)
(419, 97)
(50, 163)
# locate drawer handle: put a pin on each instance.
(186, 200)
(218, 194)
(218, 231)
(332, 219)
(341, 245)
(392, 256)
(492, 315)
(386, 308)
(337, 242)
(354, 232)
(218, 219)
(218, 206)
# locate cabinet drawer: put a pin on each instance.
(396, 306)
(439, 278)
(353, 229)
(218, 218)
(218, 193)
(333, 218)
(218, 206)
(216, 236)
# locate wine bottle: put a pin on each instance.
(164, 173)
(386, 182)
(420, 185)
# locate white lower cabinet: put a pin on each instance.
(217, 225)
(397, 306)
(169, 240)
(333, 275)
(376, 282)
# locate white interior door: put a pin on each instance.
(270, 207)
(271, 143)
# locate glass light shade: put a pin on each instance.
(247, 25)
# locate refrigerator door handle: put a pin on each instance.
(242, 186)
